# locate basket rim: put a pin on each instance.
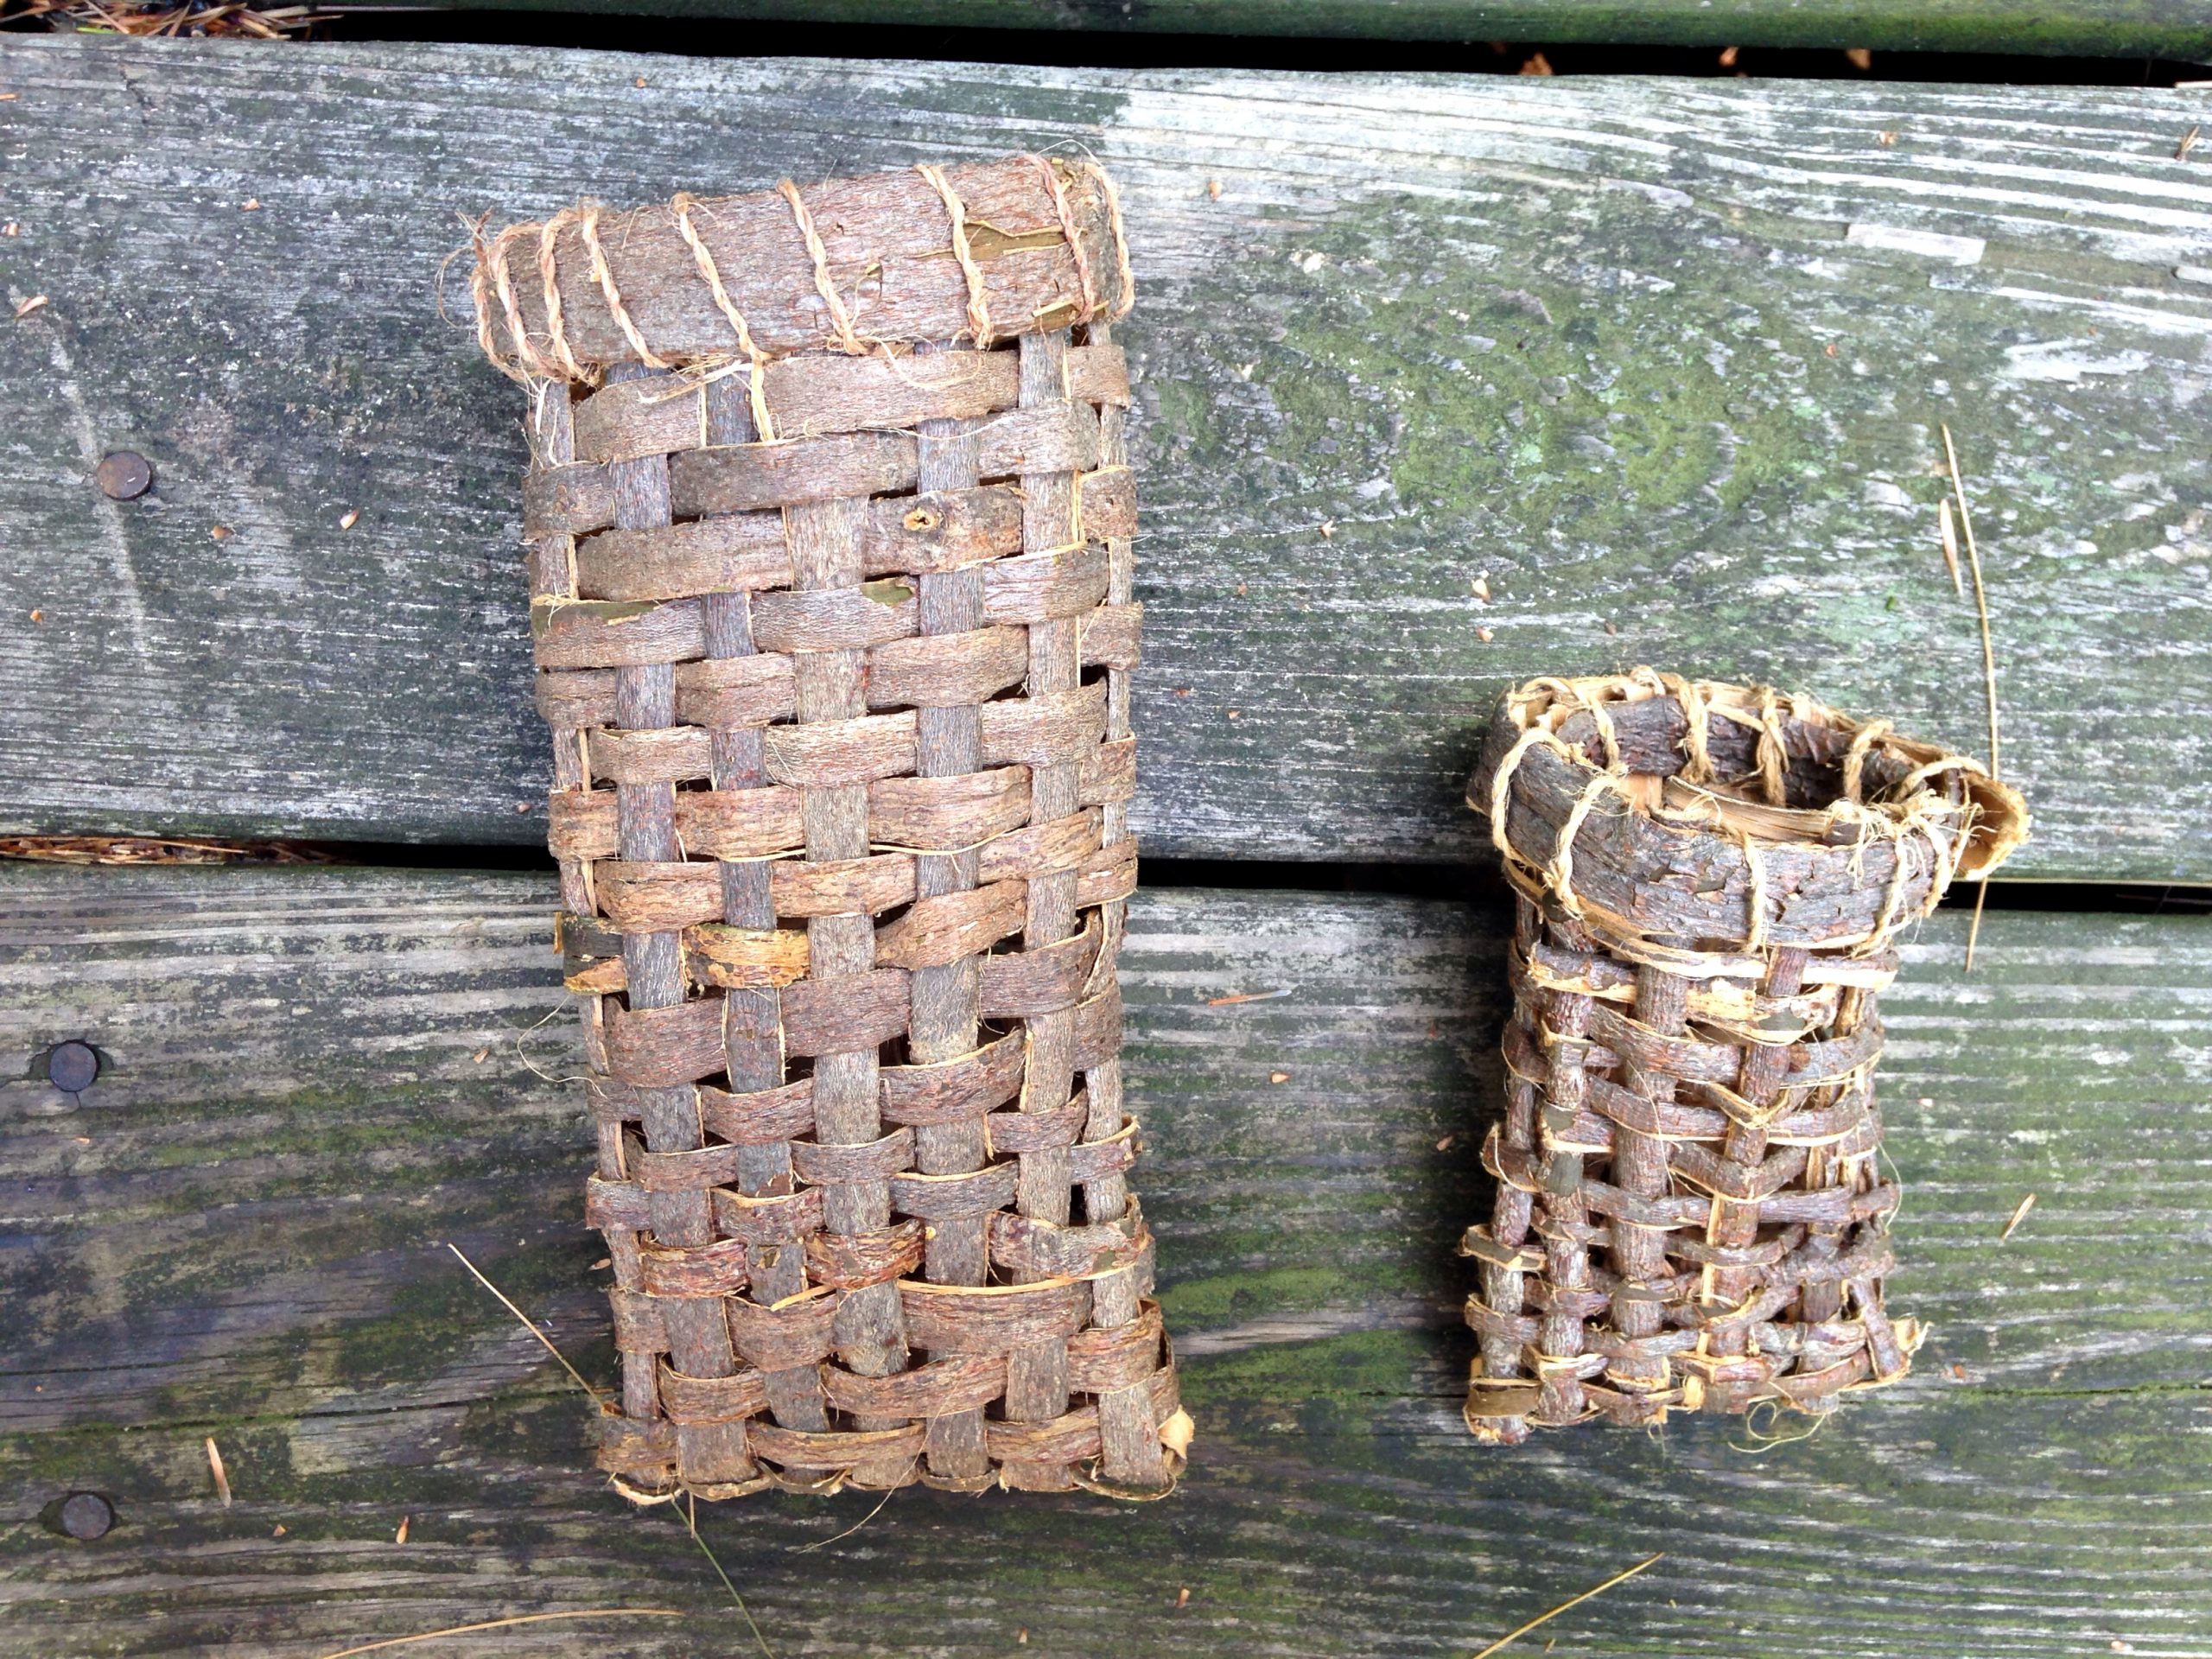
(550, 296)
(1635, 752)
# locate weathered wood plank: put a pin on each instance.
(1334, 1506)
(237, 1231)
(2081, 28)
(1662, 357)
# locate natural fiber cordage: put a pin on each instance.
(829, 522)
(1710, 883)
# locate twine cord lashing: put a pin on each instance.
(1774, 753)
(1124, 275)
(1606, 735)
(1854, 759)
(535, 366)
(480, 284)
(603, 274)
(1697, 717)
(1502, 786)
(549, 276)
(979, 312)
(1065, 209)
(1560, 875)
(840, 321)
(756, 359)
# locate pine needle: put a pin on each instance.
(2020, 1215)
(691, 1526)
(1946, 532)
(215, 1468)
(1989, 667)
(543, 1339)
(1546, 1618)
(503, 1624)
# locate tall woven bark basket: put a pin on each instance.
(829, 522)
(1711, 880)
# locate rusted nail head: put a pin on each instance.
(71, 1067)
(124, 474)
(86, 1516)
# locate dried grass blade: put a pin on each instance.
(1981, 601)
(545, 1341)
(691, 1525)
(1988, 668)
(1546, 1618)
(824, 1543)
(504, 1623)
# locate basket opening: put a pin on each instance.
(1775, 766)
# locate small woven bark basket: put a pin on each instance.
(1710, 882)
(828, 522)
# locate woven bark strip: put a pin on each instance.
(1710, 880)
(829, 518)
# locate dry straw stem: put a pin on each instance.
(838, 1538)
(156, 849)
(1988, 667)
(504, 1623)
(1511, 1636)
(544, 1340)
(691, 1526)
(690, 1519)
(1982, 602)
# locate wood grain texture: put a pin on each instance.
(2086, 27)
(312, 1079)
(1665, 358)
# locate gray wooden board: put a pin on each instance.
(1669, 357)
(315, 1078)
(2087, 28)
